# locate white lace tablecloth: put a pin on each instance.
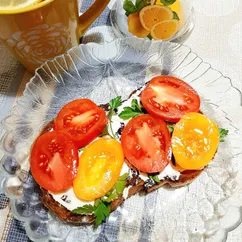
(217, 39)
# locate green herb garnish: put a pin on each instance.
(167, 2)
(113, 104)
(121, 183)
(130, 112)
(105, 132)
(86, 209)
(101, 212)
(101, 207)
(223, 133)
(149, 36)
(170, 127)
(141, 4)
(117, 189)
(129, 7)
(175, 15)
(155, 178)
(111, 196)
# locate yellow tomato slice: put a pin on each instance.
(195, 140)
(100, 165)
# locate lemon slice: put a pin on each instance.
(13, 5)
(165, 29)
(153, 14)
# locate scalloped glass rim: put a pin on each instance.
(205, 211)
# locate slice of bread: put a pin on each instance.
(134, 184)
(185, 178)
(67, 216)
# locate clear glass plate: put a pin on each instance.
(205, 210)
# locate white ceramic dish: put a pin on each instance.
(206, 210)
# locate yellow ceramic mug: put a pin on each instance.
(44, 30)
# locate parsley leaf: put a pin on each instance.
(121, 183)
(167, 2)
(155, 178)
(105, 132)
(136, 106)
(129, 7)
(118, 188)
(86, 209)
(170, 127)
(130, 112)
(101, 212)
(96, 202)
(175, 15)
(112, 196)
(223, 134)
(101, 208)
(113, 104)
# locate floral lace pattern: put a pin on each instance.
(41, 43)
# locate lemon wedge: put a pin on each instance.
(13, 5)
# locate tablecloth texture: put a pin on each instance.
(217, 39)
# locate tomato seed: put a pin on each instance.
(188, 99)
(164, 108)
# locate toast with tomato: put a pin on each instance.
(81, 185)
(90, 159)
(166, 138)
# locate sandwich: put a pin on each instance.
(91, 158)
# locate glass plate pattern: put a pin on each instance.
(205, 210)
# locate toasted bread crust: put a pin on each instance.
(185, 178)
(63, 213)
(67, 216)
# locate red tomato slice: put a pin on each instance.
(54, 161)
(146, 143)
(169, 98)
(82, 119)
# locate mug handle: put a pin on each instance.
(91, 14)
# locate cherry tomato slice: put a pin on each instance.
(195, 140)
(82, 119)
(54, 161)
(100, 166)
(146, 143)
(169, 98)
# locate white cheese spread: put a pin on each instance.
(167, 173)
(69, 200)
(170, 173)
